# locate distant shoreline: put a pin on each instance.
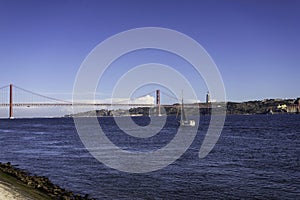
(269, 106)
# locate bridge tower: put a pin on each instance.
(11, 101)
(158, 102)
(207, 97)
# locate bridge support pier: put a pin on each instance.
(158, 102)
(11, 101)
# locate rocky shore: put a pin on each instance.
(41, 186)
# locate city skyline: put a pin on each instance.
(255, 44)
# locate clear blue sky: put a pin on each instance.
(255, 44)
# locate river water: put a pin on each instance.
(256, 157)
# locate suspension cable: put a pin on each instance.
(40, 95)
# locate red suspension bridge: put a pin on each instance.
(12, 96)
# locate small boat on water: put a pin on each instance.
(183, 119)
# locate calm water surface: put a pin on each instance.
(256, 157)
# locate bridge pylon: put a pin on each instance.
(158, 102)
(11, 101)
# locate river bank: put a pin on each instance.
(20, 185)
(9, 193)
(267, 106)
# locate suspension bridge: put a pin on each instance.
(12, 97)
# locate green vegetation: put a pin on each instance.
(259, 107)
